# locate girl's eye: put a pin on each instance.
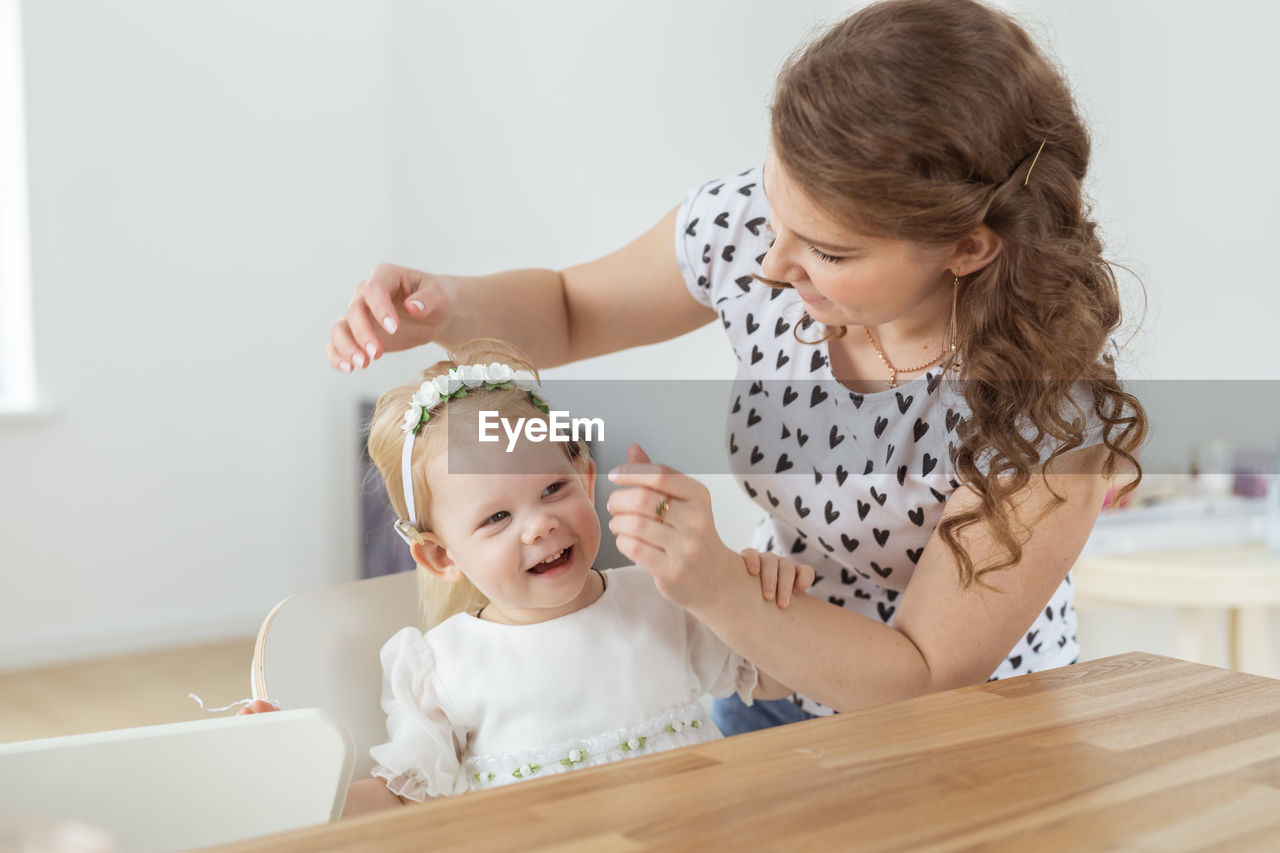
(554, 487)
(496, 517)
(831, 259)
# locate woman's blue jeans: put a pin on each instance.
(733, 717)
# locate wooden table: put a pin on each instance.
(1241, 580)
(1130, 752)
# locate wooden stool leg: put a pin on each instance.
(1198, 635)
(1234, 651)
(1251, 634)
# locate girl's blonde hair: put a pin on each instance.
(922, 120)
(441, 599)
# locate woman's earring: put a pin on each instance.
(952, 335)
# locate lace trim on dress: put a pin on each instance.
(683, 725)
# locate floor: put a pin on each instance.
(133, 690)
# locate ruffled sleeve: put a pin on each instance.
(719, 669)
(721, 234)
(420, 757)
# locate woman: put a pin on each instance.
(918, 300)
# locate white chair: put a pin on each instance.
(319, 649)
(182, 785)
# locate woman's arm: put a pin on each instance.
(631, 297)
(943, 637)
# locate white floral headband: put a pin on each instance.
(438, 391)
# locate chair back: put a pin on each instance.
(182, 785)
(319, 649)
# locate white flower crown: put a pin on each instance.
(443, 388)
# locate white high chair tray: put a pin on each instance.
(184, 785)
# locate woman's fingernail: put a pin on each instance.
(358, 359)
(614, 475)
(344, 367)
(389, 323)
(371, 348)
(416, 305)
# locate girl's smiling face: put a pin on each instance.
(521, 526)
(845, 278)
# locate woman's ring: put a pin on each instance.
(663, 506)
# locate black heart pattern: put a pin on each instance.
(744, 239)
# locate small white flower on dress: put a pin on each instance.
(697, 724)
(576, 756)
(483, 777)
(524, 771)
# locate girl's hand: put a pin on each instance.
(395, 309)
(258, 706)
(779, 576)
(662, 520)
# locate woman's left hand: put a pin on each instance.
(662, 520)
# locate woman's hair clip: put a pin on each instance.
(1027, 179)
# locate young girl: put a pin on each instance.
(914, 287)
(535, 663)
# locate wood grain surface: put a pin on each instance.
(1132, 752)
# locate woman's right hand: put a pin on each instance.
(396, 308)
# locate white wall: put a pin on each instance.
(1181, 98)
(208, 181)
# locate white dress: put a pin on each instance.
(473, 704)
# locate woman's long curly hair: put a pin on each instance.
(920, 120)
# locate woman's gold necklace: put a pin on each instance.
(894, 371)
